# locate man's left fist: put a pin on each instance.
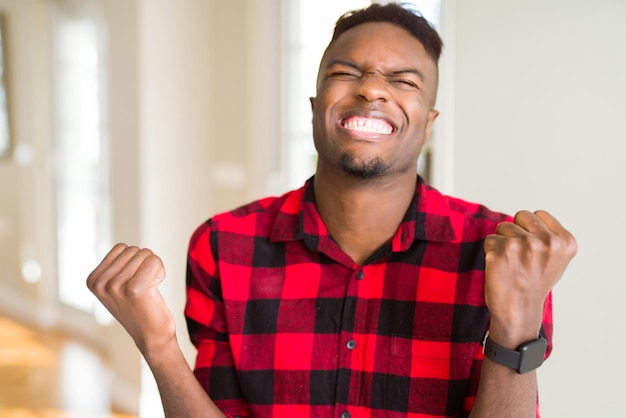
(524, 259)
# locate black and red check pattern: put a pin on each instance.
(286, 324)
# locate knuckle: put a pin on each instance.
(99, 288)
(120, 246)
(144, 252)
(490, 257)
(153, 259)
(99, 283)
(540, 243)
(501, 227)
(133, 249)
(571, 245)
(110, 286)
(91, 279)
(132, 290)
(520, 215)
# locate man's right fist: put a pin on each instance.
(126, 283)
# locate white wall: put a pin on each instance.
(203, 146)
(537, 116)
(25, 232)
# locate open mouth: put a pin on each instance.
(367, 125)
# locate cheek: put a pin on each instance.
(418, 115)
(319, 122)
(318, 119)
(323, 111)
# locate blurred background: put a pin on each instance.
(136, 120)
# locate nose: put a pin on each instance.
(373, 87)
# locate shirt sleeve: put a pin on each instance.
(206, 323)
(546, 332)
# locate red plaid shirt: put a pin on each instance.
(287, 325)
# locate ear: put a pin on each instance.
(432, 116)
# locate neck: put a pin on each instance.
(362, 215)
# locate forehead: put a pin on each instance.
(382, 43)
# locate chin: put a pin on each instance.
(373, 168)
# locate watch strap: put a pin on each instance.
(501, 355)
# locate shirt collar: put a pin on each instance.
(427, 218)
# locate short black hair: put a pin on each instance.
(399, 15)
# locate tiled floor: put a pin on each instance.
(44, 375)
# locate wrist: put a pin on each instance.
(156, 352)
(512, 335)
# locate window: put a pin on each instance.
(82, 193)
(5, 140)
(308, 31)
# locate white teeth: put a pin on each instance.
(367, 125)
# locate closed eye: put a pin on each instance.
(343, 75)
(404, 84)
(339, 69)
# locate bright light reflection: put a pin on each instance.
(31, 271)
(82, 192)
(83, 379)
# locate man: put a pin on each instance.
(365, 293)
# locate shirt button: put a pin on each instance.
(345, 414)
(360, 275)
(351, 344)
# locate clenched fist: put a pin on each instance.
(126, 283)
(524, 260)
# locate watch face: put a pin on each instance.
(532, 355)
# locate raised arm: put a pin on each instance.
(126, 283)
(524, 260)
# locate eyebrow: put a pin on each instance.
(343, 62)
(409, 71)
(393, 73)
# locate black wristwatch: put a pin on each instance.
(527, 357)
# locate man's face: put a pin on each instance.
(376, 90)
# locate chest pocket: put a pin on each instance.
(423, 359)
(425, 377)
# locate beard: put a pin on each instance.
(373, 168)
